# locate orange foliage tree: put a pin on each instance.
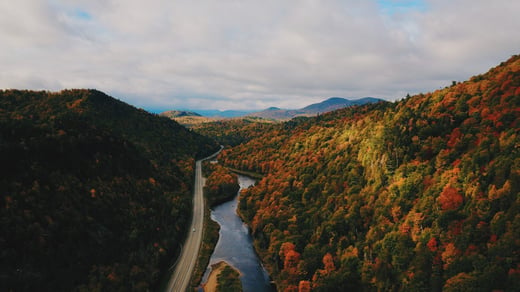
(450, 198)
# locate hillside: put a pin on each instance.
(417, 195)
(186, 118)
(193, 121)
(176, 114)
(231, 132)
(94, 192)
(325, 106)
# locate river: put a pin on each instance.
(235, 245)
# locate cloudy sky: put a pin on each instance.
(244, 54)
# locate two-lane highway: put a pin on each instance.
(180, 279)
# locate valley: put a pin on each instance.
(285, 146)
(420, 194)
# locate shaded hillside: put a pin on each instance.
(419, 195)
(94, 192)
(325, 106)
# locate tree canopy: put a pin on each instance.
(94, 193)
(420, 194)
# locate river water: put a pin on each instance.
(235, 245)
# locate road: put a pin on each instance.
(180, 279)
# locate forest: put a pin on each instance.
(93, 192)
(221, 184)
(233, 132)
(421, 194)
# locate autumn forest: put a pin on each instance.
(417, 195)
(94, 192)
(420, 194)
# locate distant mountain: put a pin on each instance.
(204, 113)
(328, 105)
(275, 113)
(223, 114)
(178, 114)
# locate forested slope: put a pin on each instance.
(232, 132)
(221, 185)
(94, 193)
(416, 195)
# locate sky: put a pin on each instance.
(244, 54)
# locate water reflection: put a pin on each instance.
(235, 245)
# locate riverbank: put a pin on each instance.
(209, 241)
(221, 185)
(235, 245)
(211, 230)
(213, 279)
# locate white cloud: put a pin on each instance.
(240, 54)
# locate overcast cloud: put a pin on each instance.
(241, 54)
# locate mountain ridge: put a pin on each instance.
(274, 112)
(94, 191)
(328, 105)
